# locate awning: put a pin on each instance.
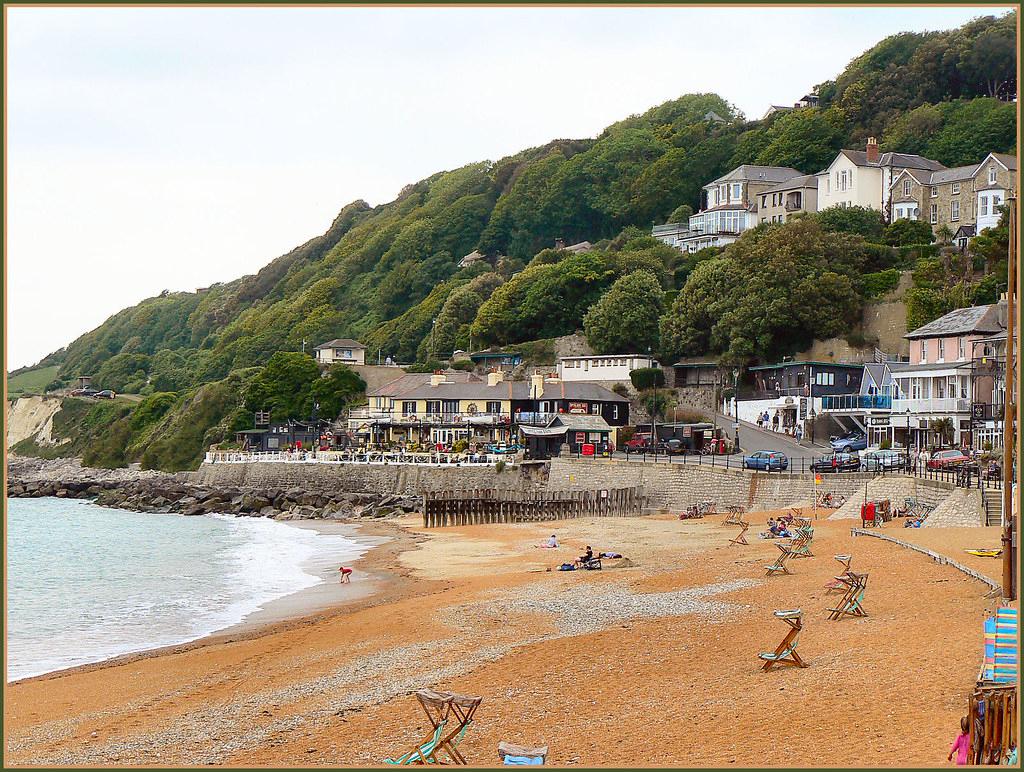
(480, 420)
(543, 431)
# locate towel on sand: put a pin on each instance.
(514, 761)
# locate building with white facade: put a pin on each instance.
(602, 367)
(346, 350)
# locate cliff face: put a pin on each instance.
(32, 417)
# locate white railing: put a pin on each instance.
(359, 457)
(932, 405)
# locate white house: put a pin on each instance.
(602, 367)
(346, 350)
(993, 183)
(865, 177)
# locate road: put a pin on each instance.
(752, 438)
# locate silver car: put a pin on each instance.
(884, 461)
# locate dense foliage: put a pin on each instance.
(626, 317)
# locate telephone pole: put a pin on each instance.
(1009, 414)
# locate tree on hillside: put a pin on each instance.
(807, 140)
(991, 59)
(681, 213)
(768, 294)
(860, 220)
(904, 232)
(284, 386)
(341, 387)
(626, 317)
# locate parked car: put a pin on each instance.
(84, 393)
(638, 443)
(502, 448)
(849, 442)
(884, 460)
(945, 459)
(105, 394)
(837, 462)
(768, 460)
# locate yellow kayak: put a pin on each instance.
(985, 553)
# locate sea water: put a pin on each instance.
(86, 583)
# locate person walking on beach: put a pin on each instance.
(346, 575)
(961, 743)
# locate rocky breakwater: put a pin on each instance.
(147, 491)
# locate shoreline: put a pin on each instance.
(371, 577)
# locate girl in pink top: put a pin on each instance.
(960, 743)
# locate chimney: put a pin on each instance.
(437, 379)
(559, 243)
(872, 150)
(495, 377)
(536, 386)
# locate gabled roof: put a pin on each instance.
(340, 343)
(955, 174)
(752, 173)
(897, 160)
(583, 246)
(1007, 160)
(960, 322)
(410, 381)
(581, 423)
(518, 390)
(802, 181)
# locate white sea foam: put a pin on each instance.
(87, 583)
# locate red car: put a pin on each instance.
(944, 459)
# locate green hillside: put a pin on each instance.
(31, 381)
(384, 274)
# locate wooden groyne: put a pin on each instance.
(495, 505)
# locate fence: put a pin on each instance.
(491, 505)
(359, 457)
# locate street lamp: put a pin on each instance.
(736, 407)
(812, 415)
(908, 436)
(654, 408)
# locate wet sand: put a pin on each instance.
(650, 665)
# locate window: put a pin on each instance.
(924, 351)
(717, 197)
(996, 200)
(935, 192)
(960, 348)
(615, 412)
(954, 210)
(494, 407)
(433, 407)
(992, 174)
(906, 187)
(737, 191)
(983, 205)
(935, 214)
(956, 188)
(595, 408)
(828, 184)
(942, 350)
(408, 408)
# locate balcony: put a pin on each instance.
(534, 419)
(429, 419)
(932, 405)
(856, 402)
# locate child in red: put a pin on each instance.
(961, 743)
(346, 575)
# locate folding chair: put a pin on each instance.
(422, 753)
(779, 566)
(800, 545)
(735, 516)
(785, 653)
(852, 603)
(451, 710)
(741, 536)
(840, 582)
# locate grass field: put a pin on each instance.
(31, 382)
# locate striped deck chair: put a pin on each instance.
(463, 708)
(852, 603)
(785, 653)
(1005, 664)
(801, 543)
(989, 663)
(422, 753)
(779, 566)
(840, 582)
(741, 537)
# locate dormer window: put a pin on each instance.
(992, 174)
(956, 188)
(906, 187)
(935, 192)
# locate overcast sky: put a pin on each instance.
(169, 148)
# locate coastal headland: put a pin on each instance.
(652, 663)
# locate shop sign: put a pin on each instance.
(578, 408)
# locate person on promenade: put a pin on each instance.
(961, 743)
(760, 420)
(775, 422)
(346, 575)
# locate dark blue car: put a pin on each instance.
(767, 460)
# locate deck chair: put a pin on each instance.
(422, 753)
(800, 545)
(463, 708)
(1005, 665)
(785, 653)
(840, 582)
(779, 566)
(852, 603)
(593, 564)
(741, 537)
(735, 516)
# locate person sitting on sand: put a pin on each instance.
(553, 542)
(346, 575)
(587, 556)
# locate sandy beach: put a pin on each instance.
(650, 665)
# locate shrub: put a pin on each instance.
(885, 444)
(463, 364)
(647, 378)
(621, 389)
(874, 285)
(460, 446)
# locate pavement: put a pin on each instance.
(752, 438)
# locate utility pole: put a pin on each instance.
(303, 345)
(654, 408)
(1009, 410)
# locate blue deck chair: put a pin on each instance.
(779, 566)
(422, 753)
(852, 604)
